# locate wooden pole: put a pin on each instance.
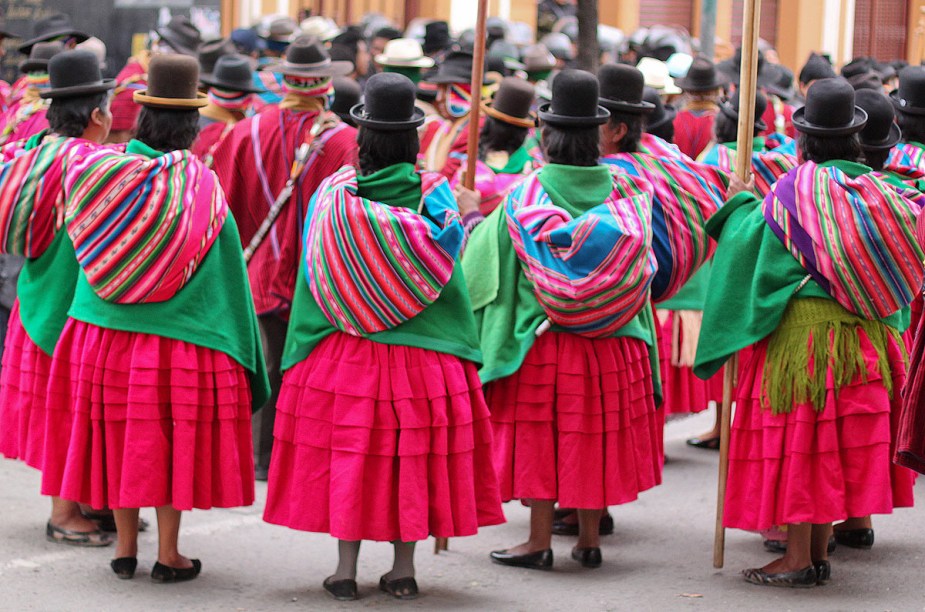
(748, 88)
(478, 73)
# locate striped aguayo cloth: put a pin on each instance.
(855, 236)
(767, 167)
(686, 195)
(371, 266)
(906, 155)
(31, 199)
(141, 226)
(591, 274)
(658, 147)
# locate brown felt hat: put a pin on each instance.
(173, 83)
(40, 55)
(512, 103)
(307, 57)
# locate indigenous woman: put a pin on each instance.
(702, 86)
(817, 401)
(167, 423)
(909, 99)
(26, 117)
(382, 432)
(31, 184)
(231, 92)
(503, 157)
(569, 373)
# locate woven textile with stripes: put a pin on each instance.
(591, 274)
(30, 195)
(906, 154)
(686, 195)
(767, 167)
(141, 226)
(371, 266)
(855, 236)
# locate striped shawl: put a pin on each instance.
(767, 167)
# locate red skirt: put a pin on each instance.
(577, 423)
(381, 442)
(682, 392)
(816, 467)
(23, 387)
(147, 421)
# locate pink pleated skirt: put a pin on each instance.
(682, 392)
(577, 423)
(23, 387)
(816, 467)
(381, 442)
(142, 420)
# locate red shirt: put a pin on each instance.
(693, 131)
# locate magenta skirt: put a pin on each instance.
(683, 392)
(577, 423)
(142, 420)
(381, 442)
(816, 467)
(23, 387)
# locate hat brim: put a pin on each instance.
(670, 113)
(142, 98)
(179, 47)
(329, 69)
(420, 62)
(5, 34)
(802, 125)
(525, 122)
(211, 81)
(783, 94)
(26, 47)
(33, 66)
(686, 84)
(621, 106)
(357, 114)
(888, 143)
(78, 90)
(567, 121)
(903, 106)
(733, 114)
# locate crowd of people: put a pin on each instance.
(260, 258)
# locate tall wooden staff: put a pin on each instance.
(748, 87)
(472, 148)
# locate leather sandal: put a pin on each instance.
(341, 590)
(800, 579)
(164, 573)
(400, 588)
(124, 567)
(90, 539)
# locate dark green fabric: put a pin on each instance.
(692, 294)
(506, 310)
(446, 326)
(758, 145)
(412, 73)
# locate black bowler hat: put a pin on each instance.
(881, 132)
(7, 34)
(830, 110)
(701, 76)
(857, 66)
(436, 37)
(173, 83)
(50, 28)
(388, 104)
(782, 87)
(307, 57)
(909, 98)
(75, 73)
(663, 113)
(211, 50)
(622, 88)
(232, 73)
(816, 68)
(40, 55)
(181, 35)
(347, 94)
(866, 80)
(512, 103)
(575, 95)
(455, 68)
(730, 108)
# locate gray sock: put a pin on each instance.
(347, 555)
(403, 567)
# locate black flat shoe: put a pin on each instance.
(400, 588)
(855, 538)
(124, 567)
(107, 522)
(541, 560)
(341, 590)
(823, 572)
(704, 443)
(779, 547)
(165, 573)
(568, 528)
(588, 557)
(800, 579)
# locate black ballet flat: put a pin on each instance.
(588, 557)
(341, 590)
(779, 547)
(568, 528)
(823, 572)
(800, 579)
(164, 573)
(541, 560)
(124, 567)
(855, 538)
(400, 588)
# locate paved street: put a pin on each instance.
(658, 559)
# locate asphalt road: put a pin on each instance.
(660, 558)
